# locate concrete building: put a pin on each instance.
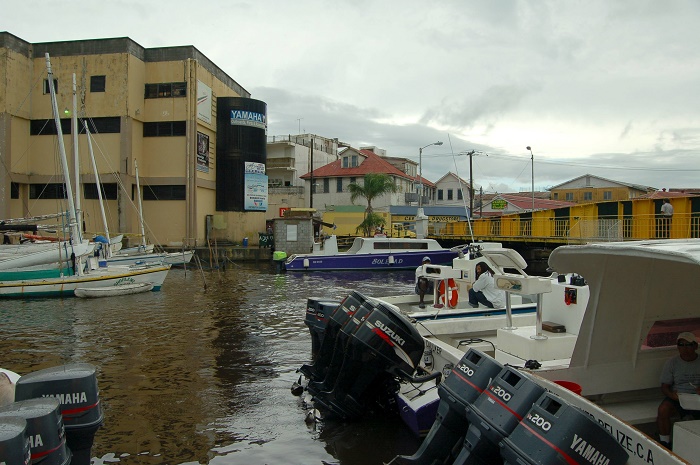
(191, 128)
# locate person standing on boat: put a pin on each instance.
(423, 284)
(666, 215)
(681, 373)
(484, 291)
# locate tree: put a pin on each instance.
(375, 185)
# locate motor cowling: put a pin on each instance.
(74, 386)
(14, 441)
(460, 389)
(318, 314)
(45, 430)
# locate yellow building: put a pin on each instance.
(591, 188)
(155, 108)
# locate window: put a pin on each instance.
(47, 191)
(346, 162)
(166, 90)
(339, 185)
(460, 196)
(97, 83)
(164, 129)
(326, 185)
(588, 196)
(607, 195)
(353, 180)
(46, 86)
(14, 190)
(663, 333)
(173, 192)
(570, 196)
(47, 127)
(555, 196)
(103, 125)
(109, 191)
(449, 194)
(354, 161)
(440, 197)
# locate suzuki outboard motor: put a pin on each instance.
(14, 441)
(47, 437)
(464, 385)
(337, 362)
(318, 313)
(495, 414)
(384, 347)
(317, 370)
(555, 432)
(74, 386)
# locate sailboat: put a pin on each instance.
(85, 271)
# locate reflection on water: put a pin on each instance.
(195, 375)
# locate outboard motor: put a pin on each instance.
(495, 414)
(385, 346)
(556, 432)
(317, 370)
(14, 441)
(464, 385)
(74, 386)
(318, 313)
(47, 436)
(339, 357)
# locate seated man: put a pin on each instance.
(423, 284)
(681, 373)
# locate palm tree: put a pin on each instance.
(375, 185)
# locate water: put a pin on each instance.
(193, 375)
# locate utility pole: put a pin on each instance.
(471, 185)
(311, 192)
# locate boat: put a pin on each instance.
(112, 291)
(602, 357)
(371, 253)
(84, 272)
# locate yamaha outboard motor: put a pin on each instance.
(495, 413)
(318, 313)
(464, 385)
(555, 432)
(14, 441)
(385, 346)
(338, 360)
(317, 370)
(47, 437)
(74, 386)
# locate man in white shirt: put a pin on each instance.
(666, 215)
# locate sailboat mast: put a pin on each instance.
(72, 222)
(99, 188)
(76, 160)
(138, 194)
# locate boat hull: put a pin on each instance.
(111, 291)
(378, 261)
(66, 286)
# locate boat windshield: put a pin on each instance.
(663, 333)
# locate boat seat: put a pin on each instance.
(635, 413)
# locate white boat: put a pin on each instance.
(112, 291)
(604, 357)
(44, 253)
(371, 253)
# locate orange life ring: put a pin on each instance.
(452, 295)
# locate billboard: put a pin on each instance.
(202, 152)
(255, 192)
(203, 102)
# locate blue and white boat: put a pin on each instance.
(372, 253)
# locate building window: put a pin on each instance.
(97, 83)
(439, 194)
(172, 192)
(339, 185)
(354, 161)
(14, 190)
(346, 162)
(103, 125)
(47, 127)
(353, 180)
(326, 185)
(166, 90)
(164, 129)
(588, 196)
(449, 194)
(607, 195)
(109, 191)
(570, 196)
(555, 196)
(460, 196)
(46, 86)
(47, 191)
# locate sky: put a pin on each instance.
(603, 87)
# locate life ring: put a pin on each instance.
(452, 296)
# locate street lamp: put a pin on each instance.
(420, 172)
(532, 161)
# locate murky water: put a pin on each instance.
(193, 375)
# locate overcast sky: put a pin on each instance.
(607, 87)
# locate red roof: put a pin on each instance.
(372, 163)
